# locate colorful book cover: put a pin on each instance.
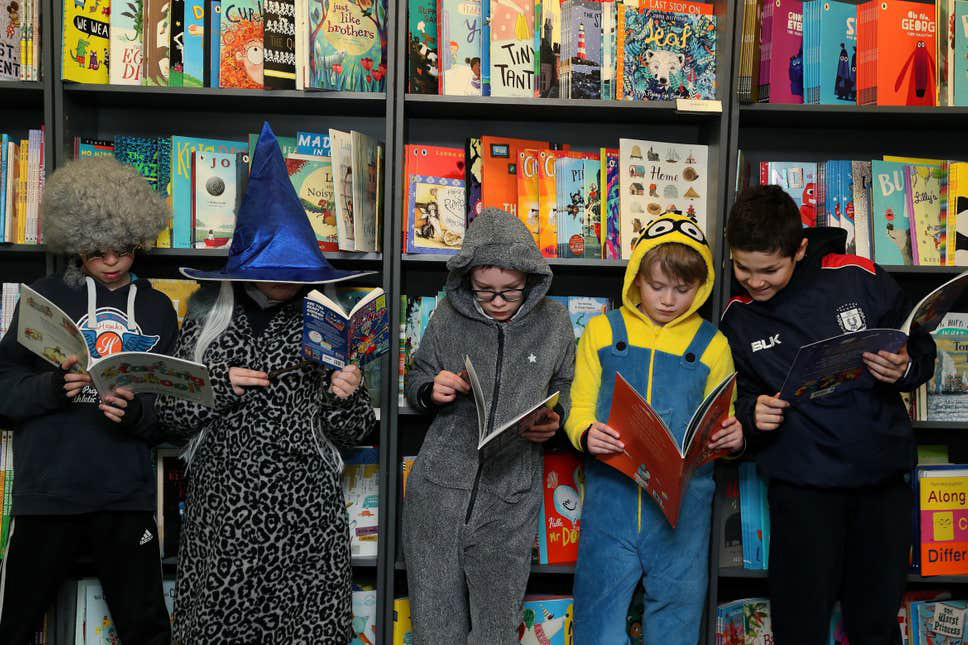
(312, 177)
(549, 55)
(142, 153)
(570, 181)
(668, 55)
(157, 40)
(86, 42)
(923, 191)
(512, 47)
(485, 48)
(958, 63)
(943, 511)
(560, 509)
(473, 179)
(432, 161)
(436, 221)
(499, 187)
(940, 623)
(215, 198)
(361, 484)
(548, 203)
(182, 149)
(582, 309)
(422, 63)
(860, 172)
(527, 181)
(901, 39)
(84, 147)
(547, 620)
(581, 49)
(592, 218)
(176, 64)
(757, 626)
(10, 60)
(365, 180)
(314, 144)
(341, 145)
(402, 626)
(459, 53)
(889, 216)
(798, 179)
(784, 73)
(956, 239)
(611, 214)
(279, 53)
(241, 42)
(126, 43)
(213, 43)
(193, 64)
(609, 46)
(947, 391)
(838, 52)
(348, 45)
(655, 177)
(364, 616)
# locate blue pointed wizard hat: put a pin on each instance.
(273, 240)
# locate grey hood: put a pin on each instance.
(496, 238)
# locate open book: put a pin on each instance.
(519, 422)
(44, 329)
(334, 337)
(653, 457)
(836, 364)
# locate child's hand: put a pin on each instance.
(887, 367)
(446, 386)
(769, 412)
(603, 440)
(115, 404)
(345, 381)
(728, 437)
(73, 383)
(241, 377)
(543, 426)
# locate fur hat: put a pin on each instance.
(99, 203)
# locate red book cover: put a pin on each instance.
(428, 161)
(898, 44)
(560, 509)
(652, 456)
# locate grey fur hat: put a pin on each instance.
(99, 203)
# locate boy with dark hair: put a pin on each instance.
(84, 476)
(840, 510)
(661, 345)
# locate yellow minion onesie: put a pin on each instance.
(624, 535)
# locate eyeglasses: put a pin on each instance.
(488, 295)
(123, 252)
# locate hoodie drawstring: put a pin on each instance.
(92, 304)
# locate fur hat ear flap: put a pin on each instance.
(73, 276)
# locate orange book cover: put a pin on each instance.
(428, 161)
(547, 203)
(527, 179)
(560, 509)
(653, 457)
(943, 512)
(499, 155)
(903, 47)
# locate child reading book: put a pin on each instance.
(264, 553)
(673, 358)
(840, 511)
(82, 460)
(471, 515)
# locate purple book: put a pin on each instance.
(785, 73)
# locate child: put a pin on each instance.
(673, 358)
(84, 476)
(264, 553)
(470, 518)
(840, 512)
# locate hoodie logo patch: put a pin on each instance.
(850, 317)
(766, 343)
(109, 334)
(532, 358)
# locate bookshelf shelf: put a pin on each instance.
(38, 249)
(368, 562)
(779, 115)
(924, 270)
(235, 100)
(22, 93)
(939, 425)
(747, 574)
(556, 263)
(340, 256)
(561, 569)
(538, 109)
(740, 573)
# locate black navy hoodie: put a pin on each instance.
(68, 457)
(859, 437)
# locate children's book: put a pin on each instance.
(46, 330)
(438, 162)
(923, 191)
(958, 62)
(940, 623)
(10, 58)
(361, 486)
(402, 625)
(547, 620)
(512, 47)
(560, 509)
(86, 41)
(176, 62)
(126, 43)
(312, 177)
(366, 174)
(342, 158)
(193, 64)
(781, 46)
(569, 184)
(279, 55)
(581, 49)
(348, 45)
(217, 189)
(860, 172)
(947, 391)
(527, 180)
(213, 40)
(422, 55)
(896, 50)
(592, 215)
(890, 219)
(548, 203)
(582, 309)
(611, 195)
(487, 430)
(836, 364)
(459, 53)
(314, 144)
(956, 238)
(436, 221)
(654, 457)
(156, 29)
(549, 56)
(798, 179)
(837, 64)
(84, 147)
(241, 60)
(335, 337)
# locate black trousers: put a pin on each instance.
(127, 561)
(847, 544)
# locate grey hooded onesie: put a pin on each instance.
(470, 520)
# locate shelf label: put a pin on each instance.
(699, 105)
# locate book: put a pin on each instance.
(655, 457)
(217, 189)
(942, 494)
(487, 428)
(314, 144)
(459, 53)
(561, 501)
(939, 623)
(798, 179)
(348, 45)
(581, 50)
(581, 309)
(342, 160)
(836, 364)
(241, 60)
(156, 30)
(86, 41)
(361, 486)
(312, 177)
(527, 185)
(896, 54)
(182, 151)
(176, 50)
(781, 48)
(512, 47)
(728, 531)
(958, 62)
(436, 221)
(46, 330)
(402, 625)
(335, 337)
(193, 64)
(922, 187)
(279, 53)
(11, 66)
(422, 56)
(439, 163)
(213, 42)
(126, 43)
(546, 620)
(366, 173)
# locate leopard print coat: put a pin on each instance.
(264, 554)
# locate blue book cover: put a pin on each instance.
(348, 44)
(798, 179)
(811, 43)
(592, 221)
(485, 48)
(181, 181)
(581, 49)
(193, 73)
(847, 205)
(547, 620)
(837, 52)
(889, 216)
(315, 144)
(570, 180)
(460, 63)
(581, 309)
(831, 206)
(215, 43)
(4, 141)
(335, 338)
